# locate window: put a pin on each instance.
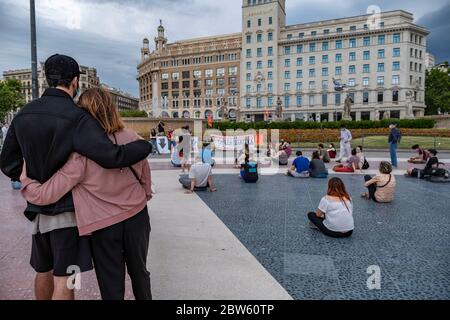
(311, 100)
(396, 52)
(352, 56)
(186, 74)
(289, 36)
(258, 102)
(287, 87)
(338, 71)
(301, 35)
(249, 39)
(299, 48)
(287, 50)
(287, 101)
(338, 30)
(248, 88)
(270, 51)
(270, 101)
(312, 73)
(269, 63)
(270, 87)
(352, 43)
(270, 20)
(312, 85)
(351, 69)
(324, 72)
(352, 28)
(312, 60)
(287, 63)
(248, 102)
(186, 84)
(249, 24)
(249, 65)
(258, 88)
(396, 65)
(366, 68)
(259, 22)
(338, 57)
(312, 47)
(366, 41)
(270, 75)
(326, 31)
(324, 84)
(259, 52)
(325, 58)
(259, 64)
(299, 101)
(175, 85)
(351, 82)
(259, 37)
(248, 53)
(175, 75)
(380, 80)
(380, 67)
(324, 100)
(395, 80)
(165, 86)
(270, 36)
(395, 96)
(396, 38)
(313, 33)
(381, 40)
(249, 77)
(220, 72)
(365, 81)
(381, 54)
(380, 96)
(366, 55)
(299, 61)
(337, 99)
(365, 97)
(197, 73)
(338, 44)
(287, 74)
(299, 86)
(208, 83)
(325, 46)
(299, 74)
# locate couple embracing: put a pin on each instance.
(87, 183)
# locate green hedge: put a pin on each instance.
(366, 124)
(134, 114)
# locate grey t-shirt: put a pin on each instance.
(316, 166)
(43, 224)
(200, 172)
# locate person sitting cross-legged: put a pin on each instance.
(317, 167)
(300, 167)
(249, 170)
(199, 178)
(432, 163)
(382, 186)
(351, 166)
(334, 217)
(422, 155)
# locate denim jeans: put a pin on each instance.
(393, 150)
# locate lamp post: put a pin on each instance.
(34, 80)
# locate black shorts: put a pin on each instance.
(60, 249)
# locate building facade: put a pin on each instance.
(122, 100)
(88, 79)
(381, 59)
(197, 78)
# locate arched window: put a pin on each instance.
(175, 114)
(209, 113)
(186, 114)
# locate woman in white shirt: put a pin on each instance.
(334, 217)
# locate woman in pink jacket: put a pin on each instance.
(110, 205)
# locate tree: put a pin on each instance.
(437, 91)
(10, 97)
(134, 114)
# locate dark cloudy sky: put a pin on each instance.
(107, 34)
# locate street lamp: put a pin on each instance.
(34, 80)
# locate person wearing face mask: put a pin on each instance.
(45, 133)
(345, 147)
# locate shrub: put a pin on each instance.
(134, 114)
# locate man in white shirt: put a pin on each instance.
(200, 177)
(346, 147)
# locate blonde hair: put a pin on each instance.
(98, 102)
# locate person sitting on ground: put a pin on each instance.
(240, 160)
(432, 163)
(282, 157)
(317, 167)
(287, 148)
(324, 156)
(300, 167)
(249, 170)
(207, 154)
(334, 217)
(199, 178)
(175, 159)
(381, 187)
(351, 166)
(422, 157)
(332, 151)
(363, 164)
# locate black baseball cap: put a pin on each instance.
(61, 67)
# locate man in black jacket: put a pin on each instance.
(44, 133)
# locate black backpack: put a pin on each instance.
(366, 164)
(439, 175)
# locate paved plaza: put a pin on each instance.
(252, 241)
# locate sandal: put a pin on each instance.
(365, 195)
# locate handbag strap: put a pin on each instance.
(390, 178)
(130, 167)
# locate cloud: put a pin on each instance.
(107, 34)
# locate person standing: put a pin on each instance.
(394, 140)
(345, 147)
(45, 133)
